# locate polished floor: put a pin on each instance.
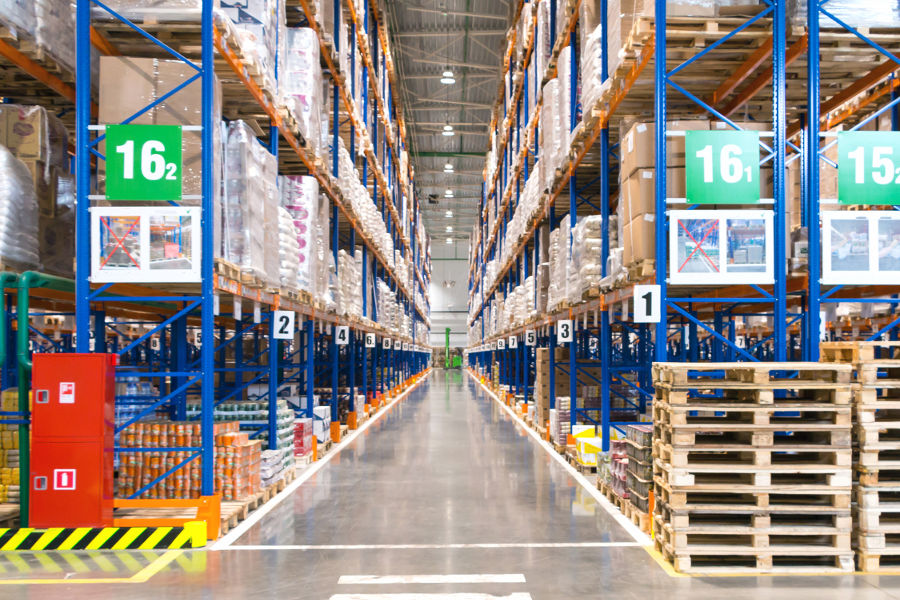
(444, 498)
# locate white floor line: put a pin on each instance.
(431, 579)
(486, 545)
(314, 468)
(447, 596)
(639, 536)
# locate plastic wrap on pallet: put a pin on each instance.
(288, 250)
(300, 196)
(165, 11)
(57, 232)
(550, 142)
(587, 250)
(18, 214)
(250, 186)
(542, 46)
(301, 83)
(855, 13)
(257, 26)
(564, 70)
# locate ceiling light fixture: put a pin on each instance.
(449, 214)
(449, 241)
(448, 193)
(448, 168)
(449, 228)
(447, 77)
(448, 130)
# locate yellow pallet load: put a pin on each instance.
(587, 444)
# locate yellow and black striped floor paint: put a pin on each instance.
(191, 535)
(99, 555)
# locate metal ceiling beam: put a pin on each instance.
(458, 64)
(424, 102)
(454, 13)
(468, 105)
(443, 33)
(451, 154)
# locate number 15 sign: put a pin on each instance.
(868, 167)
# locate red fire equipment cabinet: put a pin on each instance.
(72, 440)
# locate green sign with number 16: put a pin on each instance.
(869, 167)
(722, 167)
(143, 162)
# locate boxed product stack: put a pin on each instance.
(876, 407)
(303, 435)
(300, 80)
(322, 423)
(639, 476)
(637, 180)
(249, 204)
(561, 420)
(752, 466)
(236, 467)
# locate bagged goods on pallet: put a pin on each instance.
(855, 13)
(19, 245)
(300, 82)
(350, 283)
(542, 48)
(288, 250)
(250, 193)
(57, 232)
(587, 254)
(550, 143)
(300, 197)
(128, 82)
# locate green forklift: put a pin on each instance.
(452, 358)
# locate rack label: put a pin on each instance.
(283, 324)
(513, 342)
(386, 344)
(143, 162)
(398, 345)
(564, 333)
(501, 344)
(647, 303)
(530, 337)
(341, 335)
(370, 340)
(722, 167)
(868, 167)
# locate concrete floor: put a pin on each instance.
(445, 470)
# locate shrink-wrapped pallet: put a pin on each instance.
(300, 196)
(301, 83)
(18, 214)
(288, 250)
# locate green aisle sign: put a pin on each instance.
(143, 162)
(722, 167)
(869, 167)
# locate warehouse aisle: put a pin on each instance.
(444, 495)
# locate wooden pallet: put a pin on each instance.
(858, 351)
(642, 270)
(572, 458)
(770, 375)
(741, 478)
(782, 456)
(227, 269)
(878, 477)
(874, 562)
(747, 519)
(777, 559)
(749, 497)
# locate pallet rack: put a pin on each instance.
(677, 68)
(158, 331)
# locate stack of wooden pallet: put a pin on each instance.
(752, 466)
(876, 438)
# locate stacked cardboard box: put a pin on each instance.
(303, 436)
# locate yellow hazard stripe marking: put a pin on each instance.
(74, 538)
(131, 534)
(50, 535)
(75, 562)
(105, 534)
(197, 531)
(131, 563)
(16, 539)
(155, 538)
(48, 563)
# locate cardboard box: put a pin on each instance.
(33, 134)
(639, 241)
(639, 145)
(639, 192)
(127, 84)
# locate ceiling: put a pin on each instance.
(468, 37)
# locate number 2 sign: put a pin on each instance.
(283, 324)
